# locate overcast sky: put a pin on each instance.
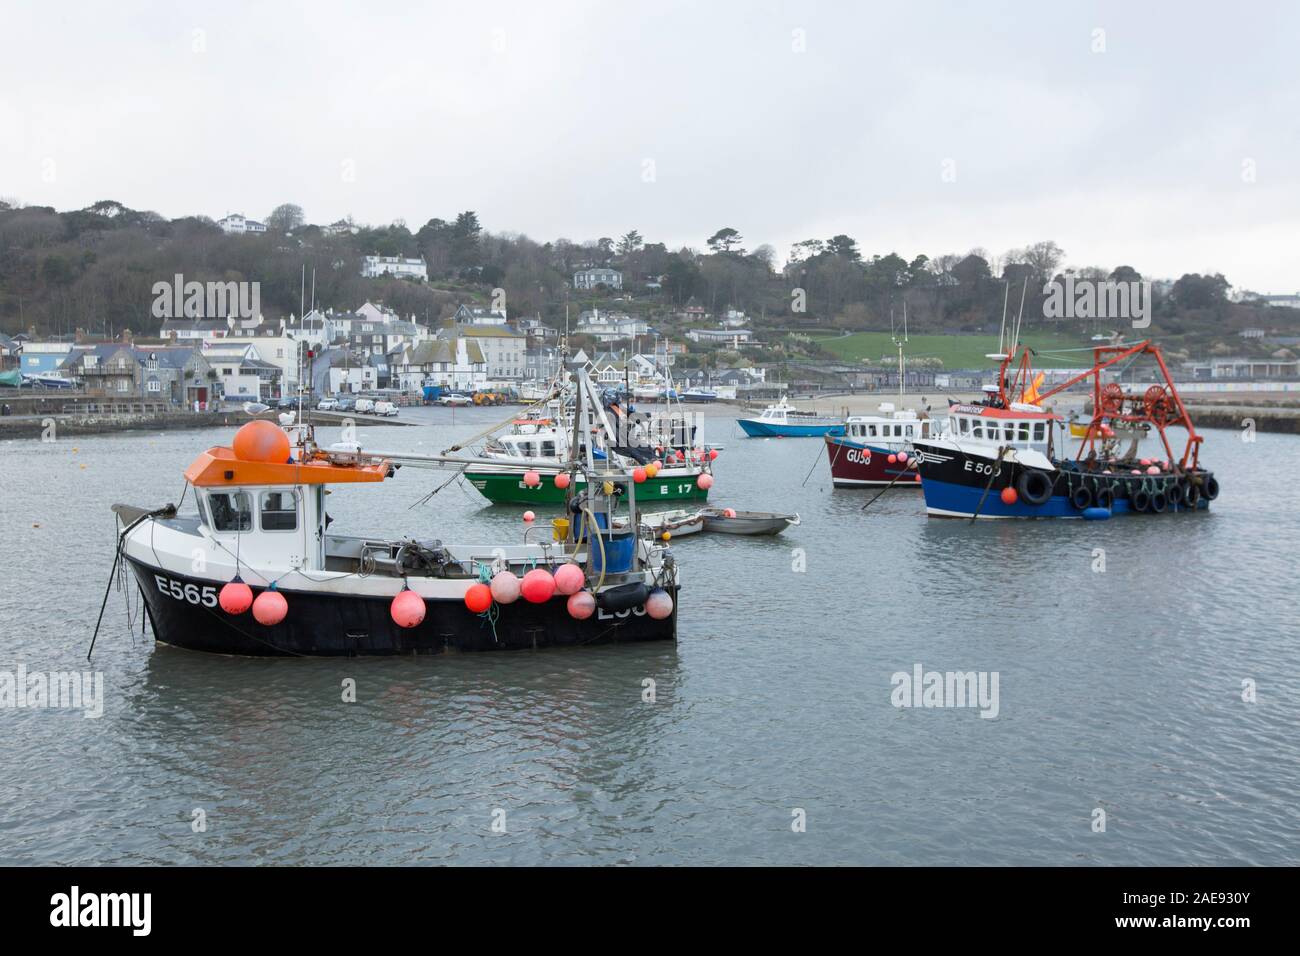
(915, 128)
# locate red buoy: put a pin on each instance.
(892, 459)
(562, 480)
(1009, 496)
(638, 475)
(532, 479)
(407, 609)
(478, 598)
(236, 597)
(538, 586)
(713, 454)
(270, 607)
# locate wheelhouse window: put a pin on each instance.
(279, 511)
(1038, 431)
(230, 510)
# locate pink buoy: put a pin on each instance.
(1153, 470)
(532, 479)
(581, 605)
(236, 597)
(569, 579)
(729, 512)
(562, 480)
(270, 607)
(538, 586)
(902, 456)
(705, 481)
(407, 609)
(505, 587)
(659, 605)
(1136, 472)
(1144, 462)
(529, 517)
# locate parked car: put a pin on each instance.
(327, 405)
(387, 409)
(287, 404)
(454, 399)
(365, 406)
(345, 405)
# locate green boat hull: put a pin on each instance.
(509, 489)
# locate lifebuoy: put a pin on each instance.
(1081, 497)
(1034, 487)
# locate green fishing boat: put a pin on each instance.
(507, 487)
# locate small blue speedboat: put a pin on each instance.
(783, 420)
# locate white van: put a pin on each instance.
(387, 409)
(365, 406)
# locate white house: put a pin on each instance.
(733, 337)
(236, 224)
(590, 278)
(505, 351)
(456, 363)
(373, 267)
(1281, 301)
(610, 326)
(476, 315)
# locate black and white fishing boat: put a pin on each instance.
(256, 571)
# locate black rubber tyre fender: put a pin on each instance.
(1034, 487)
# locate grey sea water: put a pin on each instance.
(1119, 690)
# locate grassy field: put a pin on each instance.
(955, 351)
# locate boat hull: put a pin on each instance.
(341, 625)
(954, 484)
(508, 488)
(857, 465)
(755, 428)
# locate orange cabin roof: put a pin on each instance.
(219, 466)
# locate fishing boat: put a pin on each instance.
(659, 449)
(999, 458)
(783, 420)
(676, 523)
(875, 449)
(256, 571)
(699, 395)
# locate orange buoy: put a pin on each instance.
(581, 605)
(236, 597)
(478, 598)
(569, 579)
(261, 441)
(892, 459)
(652, 469)
(1009, 496)
(407, 609)
(538, 586)
(270, 607)
(562, 480)
(532, 479)
(705, 481)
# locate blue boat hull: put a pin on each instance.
(760, 429)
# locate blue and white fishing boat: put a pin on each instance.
(783, 420)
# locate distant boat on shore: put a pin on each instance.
(783, 420)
